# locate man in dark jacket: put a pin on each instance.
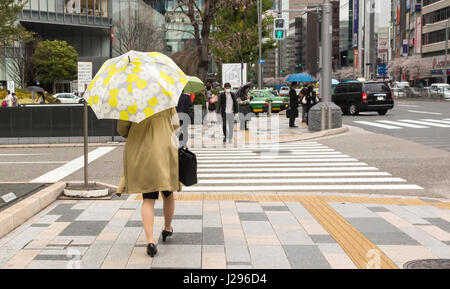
(227, 107)
(293, 104)
(183, 109)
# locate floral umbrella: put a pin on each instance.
(135, 86)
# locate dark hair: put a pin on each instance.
(8, 92)
(294, 83)
(227, 85)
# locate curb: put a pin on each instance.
(308, 136)
(319, 134)
(61, 145)
(19, 213)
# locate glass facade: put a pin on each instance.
(179, 28)
(346, 33)
(76, 12)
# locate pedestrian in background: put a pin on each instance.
(293, 104)
(8, 99)
(227, 107)
(183, 109)
(311, 99)
(244, 107)
(303, 94)
(211, 101)
(40, 99)
(150, 161)
(15, 100)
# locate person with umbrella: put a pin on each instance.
(227, 108)
(244, 104)
(141, 91)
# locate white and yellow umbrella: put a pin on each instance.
(135, 86)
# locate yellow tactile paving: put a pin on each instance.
(298, 198)
(362, 252)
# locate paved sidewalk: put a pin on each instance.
(235, 231)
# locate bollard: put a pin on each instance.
(322, 114)
(330, 115)
(269, 111)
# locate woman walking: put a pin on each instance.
(211, 100)
(244, 107)
(150, 161)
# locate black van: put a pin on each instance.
(354, 97)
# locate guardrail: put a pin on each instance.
(51, 120)
(414, 92)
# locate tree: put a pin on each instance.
(19, 62)
(395, 67)
(138, 33)
(346, 73)
(10, 31)
(201, 21)
(416, 67)
(53, 61)
(235, 34)
(187, 58)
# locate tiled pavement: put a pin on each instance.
(215, 231)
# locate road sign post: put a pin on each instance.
(318, 113)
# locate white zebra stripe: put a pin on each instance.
(402, 124)
(425, 123)
(378, 125)
(304, 180)
(280, 188)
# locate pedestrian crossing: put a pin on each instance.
(294, 167)
(407, 123)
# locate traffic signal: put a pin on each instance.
(279, 23)
(280, 34)
(279, 29)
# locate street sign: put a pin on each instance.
(10, 86)
(382, 69)
(84, 75)
(234, 73)
(280, 34)
(262, 61)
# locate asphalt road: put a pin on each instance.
(424, 122)
(420, 156)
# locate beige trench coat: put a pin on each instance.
(150, 157)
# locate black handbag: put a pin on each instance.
(211, 106)
(288, 113)
(187, 167)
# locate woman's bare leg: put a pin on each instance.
(148, 212)
(169, 209)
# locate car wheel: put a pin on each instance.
(382, 112)
(352, 109)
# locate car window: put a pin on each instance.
(377, 87)
(354, 87)
(341, 88)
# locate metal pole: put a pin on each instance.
(327, 29)
(260, 44)
(279, 44)
(446, 52)
(85, 143)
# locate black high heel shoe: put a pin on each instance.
(151, 250)
(166, 234)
